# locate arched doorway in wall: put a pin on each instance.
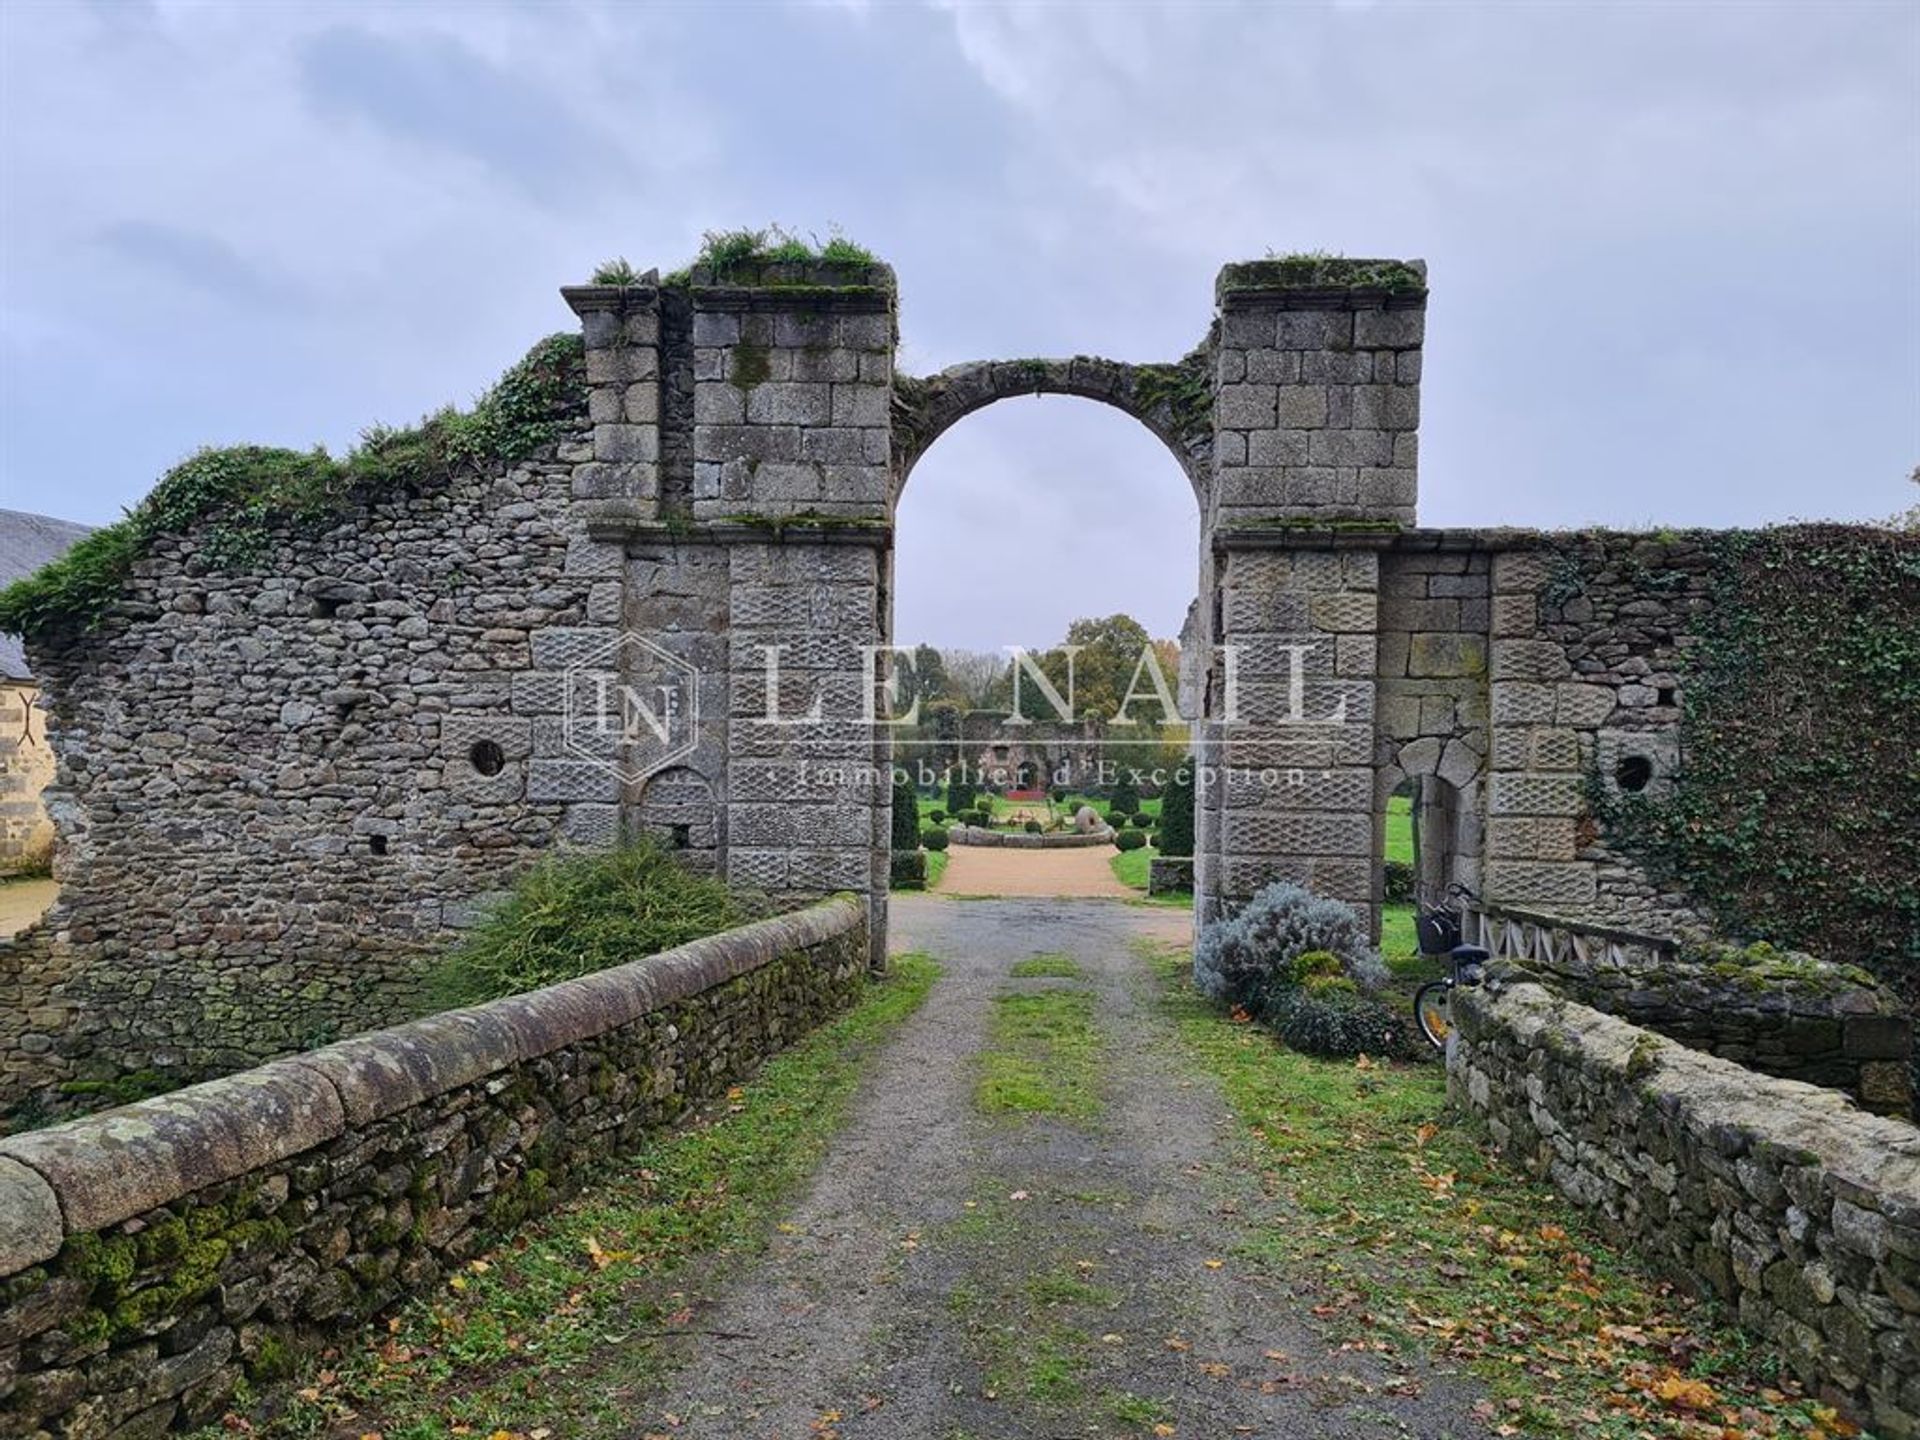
(1026, 519)
(1427, 829)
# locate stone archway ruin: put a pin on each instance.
(718, 524)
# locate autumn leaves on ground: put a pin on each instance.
(1033, 1186)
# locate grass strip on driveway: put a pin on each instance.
(1042, 1056)
(558, 1329)
(1418, 1238)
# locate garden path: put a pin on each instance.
(959, 1274)
(1012, 870)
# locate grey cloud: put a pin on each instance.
(201, 261)
(431, 89)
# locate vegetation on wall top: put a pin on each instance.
(1318, 267)
(235, 497)
(740, 254)
(1795, 815)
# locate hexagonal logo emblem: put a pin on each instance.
(631, 707)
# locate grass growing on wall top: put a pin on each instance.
(577, 912)
(730, 252)
(235, 497)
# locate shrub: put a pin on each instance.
(983, 817)
(934, 839)
(909, 870)
(1143, 822)
(1176, 812)
(1033, 827)
(1244, 958)
(578, 912)
(959, 796)
(906, 813)
(1130, 840)
(1057, 795)
(936, 815)
(1329, 1016)
(1399, 882)
(1126, 797)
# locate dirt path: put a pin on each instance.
(959, 1275)
(1008, 870)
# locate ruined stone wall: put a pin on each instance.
(270, 804)
(153, 1258)
(1587, 680)
(1780, 1198)
(26, 768)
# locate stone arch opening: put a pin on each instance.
(1143, 554)
(1174, 402)
(1444, 812)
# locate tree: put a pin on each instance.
(930, 680)
(1126, 796)
(1175, 835)
(970, 676)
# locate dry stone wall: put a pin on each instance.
(154, 1256)
(1780, 1198)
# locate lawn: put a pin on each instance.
(1399, 844)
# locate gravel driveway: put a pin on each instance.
(953, 1275)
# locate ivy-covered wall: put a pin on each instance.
(1713, 732)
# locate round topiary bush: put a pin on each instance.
(1033, 827)
(1126, 797)
(936, 815)
(934, 839)
(1399, 877)
(1143, 821)
(1130, 840)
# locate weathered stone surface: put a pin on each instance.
(327, 1224)
(1619, 1119)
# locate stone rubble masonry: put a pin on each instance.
(1780, 1198)
(1789, 1015)
(152, 1257)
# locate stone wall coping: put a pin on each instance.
(1241, 299)
(618, 299)
(1865, 1156)
(95, 1171)
(785, 299)
(624, 520)
(1253, 535)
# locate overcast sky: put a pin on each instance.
(1674, 250)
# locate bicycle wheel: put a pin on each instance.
(1433, 1008)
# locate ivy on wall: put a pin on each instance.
(1795, 814)
(234, 498)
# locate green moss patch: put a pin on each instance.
(1318, 268)
(233, 500)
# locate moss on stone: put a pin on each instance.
(750, 366)
(1319, 269)
(232, 500)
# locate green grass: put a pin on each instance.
(556, 1323)
(1042, 1056)
(1130, 866)
(1048, 966)
(936, 868)
(1403, 1229)
(1399, 839)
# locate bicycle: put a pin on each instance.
(1438, 929)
